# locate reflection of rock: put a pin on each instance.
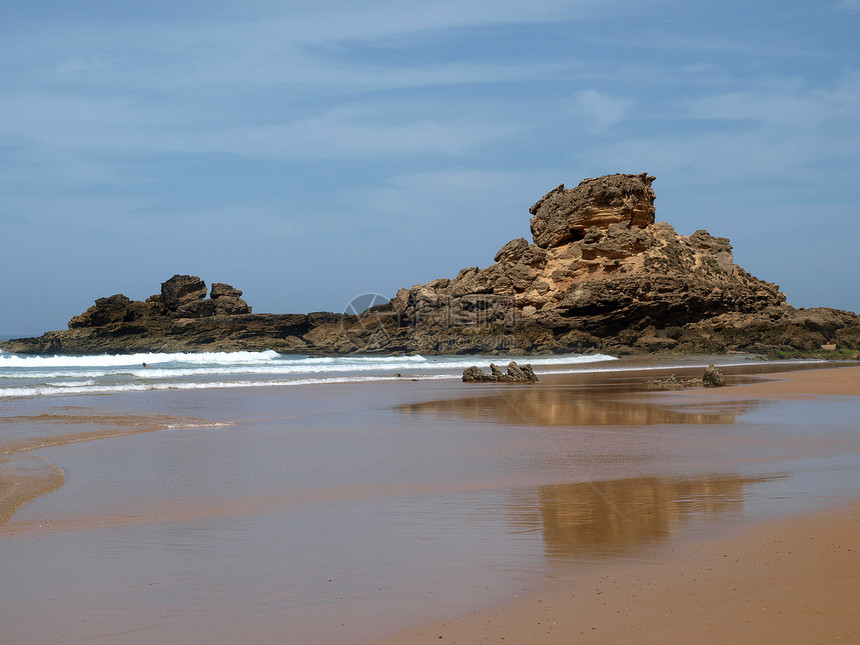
(515, 374)
(594, 519)
(549, 406)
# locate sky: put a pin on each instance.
(310, 153)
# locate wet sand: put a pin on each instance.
(794, 580)
(348, 513)
(791, 581)
(25, 476)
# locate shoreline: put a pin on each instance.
(786, 580)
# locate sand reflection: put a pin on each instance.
(558, 406)
(611, 518)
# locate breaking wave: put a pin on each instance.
(27, 376)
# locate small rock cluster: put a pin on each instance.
(182, 296)
(515, 374)
(713, 377)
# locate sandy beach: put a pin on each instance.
(790, 581)
(793, 580)
(585, 508)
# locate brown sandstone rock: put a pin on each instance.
(565, 215)
(515, 374)
(713, 377)
(115, 309)
(219, 289)
(180, 290)
(227, 300)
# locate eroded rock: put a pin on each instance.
(181, 290)
(515, 374)
(563, 215)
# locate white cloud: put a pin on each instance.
(599, 109)
(357, 134)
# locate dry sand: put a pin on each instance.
(793, 580)
(833, 381)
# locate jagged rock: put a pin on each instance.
(219, 289)
(228, 301)
(515, 374)
(563, 216)
(713, 377)
(180, 290)
(475, 374)
(115, 309)
(512, 251)
(227, 306)
(196, 309)
(521, 373)
(672, 383)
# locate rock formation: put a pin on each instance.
(713, 377)
(600, 275)
(515, 374)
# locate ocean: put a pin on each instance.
(34, 376)
(108, 374)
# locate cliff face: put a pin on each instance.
(600, 274)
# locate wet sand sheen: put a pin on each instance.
(789, 581)
(23, 477)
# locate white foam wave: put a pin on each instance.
(160, 366)
(136, 360)
(71, 383)
(25, 376)
(142, 387)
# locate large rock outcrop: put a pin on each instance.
(600, 275)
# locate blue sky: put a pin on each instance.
(308, 153)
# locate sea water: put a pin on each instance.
(29, 376)
(110, 373)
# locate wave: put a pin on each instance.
(251, 363)
(125, 360)
(43, 390)
(26, 376)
